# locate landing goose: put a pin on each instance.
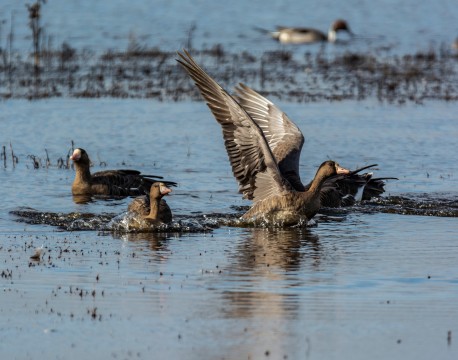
(255, 133)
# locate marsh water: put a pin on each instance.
(377, 280)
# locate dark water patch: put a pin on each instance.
(109, 222)
(141, 72)
(65, 221)
(423, 205)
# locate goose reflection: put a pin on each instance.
(267, 264)
(268, 259)
(153, 241)
(277, 248)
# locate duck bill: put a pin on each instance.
(165, 190)
(341, 170)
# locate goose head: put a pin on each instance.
(158, 190)
(80, 156)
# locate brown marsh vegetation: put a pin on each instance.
(142, 72)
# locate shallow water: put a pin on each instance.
(404, 27)
(366, 282)
(359, 283)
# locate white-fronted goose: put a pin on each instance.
(109, 182)
(285, 141)
(153, 208)
(299, 35)
(264, 148)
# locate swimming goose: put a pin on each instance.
(153, 208)
(297, 35)
(108, 182)
(264, 148)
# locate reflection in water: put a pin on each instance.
(270, 256)
(154, 241)
(82, 199)
(282, 248)
(264, 271)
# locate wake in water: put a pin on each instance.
(422, 205)
(425, 205)
(123, 223)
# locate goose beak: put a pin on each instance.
(164, 190)
(341, 170)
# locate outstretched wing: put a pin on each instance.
(285, 139)
(246, 145)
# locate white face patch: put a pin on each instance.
(76, 155)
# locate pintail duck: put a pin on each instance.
(118, 183)
(153, 208)
(297, 35)
(264, 149)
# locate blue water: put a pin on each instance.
(358, 285)
(406, 27)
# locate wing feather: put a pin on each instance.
(246, 145)
(285, 139)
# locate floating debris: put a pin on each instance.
(37, 255)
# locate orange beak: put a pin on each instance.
(165, 190)
(341, 170)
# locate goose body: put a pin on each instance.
(153, 208)
(264, 147)
(109, 182)
(292, 207)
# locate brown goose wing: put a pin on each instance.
(246, 145)
(118, 182)
(285, 139)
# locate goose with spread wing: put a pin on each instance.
(113, 183)
(285, 140)
(264, 162)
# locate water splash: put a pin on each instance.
(423, 205)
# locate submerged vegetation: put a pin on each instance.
(9, 158)
(143, 72)
(153, 73)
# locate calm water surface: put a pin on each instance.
(407, 26)
(357, 285)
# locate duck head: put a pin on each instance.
(336, 26)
